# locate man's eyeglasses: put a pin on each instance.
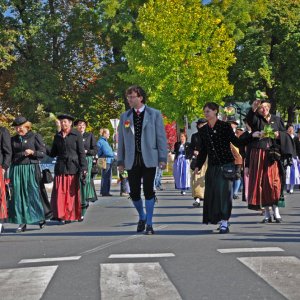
(131, 97)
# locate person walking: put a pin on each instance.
(105, 152)
(26, 204)
(5, 160)
(142, 146)
(293, 166)
(238, 160)
(181, 166)
(87, 190)
(70, 167)
(197, 180)
(264, 166)
(215, 139)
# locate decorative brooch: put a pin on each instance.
(127, 123)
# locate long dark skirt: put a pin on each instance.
(88, 191)
(217, 196)
(26, 204)
(264, 181)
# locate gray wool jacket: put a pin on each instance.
(153, 140)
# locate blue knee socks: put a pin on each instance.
(140, 209)
(149, 203)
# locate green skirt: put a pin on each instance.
(25, 206)
(217, 196)
(87, 191)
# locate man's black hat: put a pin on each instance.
(201, 121)
(19, 121)
(232, 119)
(65, 116)
(80, 120)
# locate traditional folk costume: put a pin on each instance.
(29, 196)
(142, 146)
(5, 159)
(197, 180)
(88, 191)
(181, 166)
(266, 177)
(293, 170)
(215, 144)
(70, 162)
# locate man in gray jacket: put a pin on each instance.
(142, 146)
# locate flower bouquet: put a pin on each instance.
(268, 132)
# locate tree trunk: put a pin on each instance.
(291, 113)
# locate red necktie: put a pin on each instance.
(138, 112)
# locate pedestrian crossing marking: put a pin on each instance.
(142, 255)
(281, 272)
(49, 259)
(25, 283)
(244, 250)
(139, 281)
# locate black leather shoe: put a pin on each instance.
(149, 230)
(224, 229)
(277, 220)
(21, 228)
(141, 226)
(42, 224)
(267, 220)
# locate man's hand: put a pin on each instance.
(162, 165)
(196, 171)
(121, 169)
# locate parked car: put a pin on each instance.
(48, 163)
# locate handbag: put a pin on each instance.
(102, 162)
(193, 163)
(47, 176)
(95, 168)
(273, 154)
(229, 170)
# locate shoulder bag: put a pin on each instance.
(229, 170)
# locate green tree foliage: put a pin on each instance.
(182, 58)
(62, 59)
(267, 51)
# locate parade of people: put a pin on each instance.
(150, 150)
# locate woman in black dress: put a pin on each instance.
(29, 194)
(70, 165)
(88, 192)
(215, 139)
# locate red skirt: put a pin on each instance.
(65, 198)
(264, 180)
(3, 208)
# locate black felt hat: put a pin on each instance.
(19, 121)
(201, 121)
(232, 119)
(80, 120)
(65, 116)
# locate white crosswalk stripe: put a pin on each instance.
(25, 283)
(281, 272)
(137, 281)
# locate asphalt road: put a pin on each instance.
(104, 258)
